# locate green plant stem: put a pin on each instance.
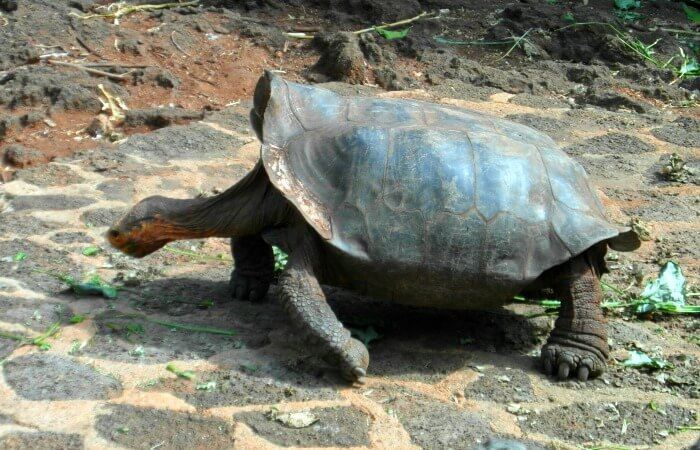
(179, 326)
(515, 44)
(38, 341)
(673, 30)
(392, 25)
(369, 29)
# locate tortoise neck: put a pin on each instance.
(242, 210)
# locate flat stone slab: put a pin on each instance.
(145, 428)
(46, 376)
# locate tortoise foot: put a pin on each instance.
(248, 287)
(352, 361)
(566, 360)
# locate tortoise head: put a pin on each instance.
(147, 227)
(261, 97)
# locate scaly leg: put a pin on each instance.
(578, 344)
(306, 304)
(254, 265)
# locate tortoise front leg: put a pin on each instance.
(578, 344)
(306, 304)
(254, 265)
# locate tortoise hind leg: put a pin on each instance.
(306, 304)
(254, 265)
(577, 345)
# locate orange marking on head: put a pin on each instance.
(149, 236)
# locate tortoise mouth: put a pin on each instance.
(132, 243)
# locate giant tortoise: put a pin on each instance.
(406, 201)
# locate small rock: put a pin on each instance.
(167, 80)
(513, 408)
(100, 126)
(82, 5)
(8, 5)
(20, 156)
(341, 57)
(160, 117)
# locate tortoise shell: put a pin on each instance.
(411, 184)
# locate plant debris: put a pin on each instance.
(676, 170)
(687, 68)
(178, 326)
(91, 251)
(40, 341)
(666, 294)
(77, 318)
(117, 10)
(281, 258)
(641, 360)
(206, 386)
(382, 30)
(300, 419)
(90, 286)
(186, 374)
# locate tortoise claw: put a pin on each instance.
(583, 373)
(564, 362)
(246, 287)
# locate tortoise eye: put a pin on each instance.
(114, 234)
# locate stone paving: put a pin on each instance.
(437, 380)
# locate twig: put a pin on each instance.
(367, 30)
(673, 30)
(177, 46)
(515, 44)
(117, 65)
(306, 29)
(86, 47)
(120, 9)
(114, 76)
(393, 24)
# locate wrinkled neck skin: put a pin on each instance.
(247, 208)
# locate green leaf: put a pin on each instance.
(91, 251)
(668, 287)
(281, 258)
(19, 256)
(628, 16)
(641, 360)
(569, 17)
(93, 286)
(78, 318)
(693, 14)
(135, 328)
(204, 304)
(392, 34)
(186, 374)
(690, 68)
(207, 386)
(625, 5)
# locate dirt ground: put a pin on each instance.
(180, 81)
